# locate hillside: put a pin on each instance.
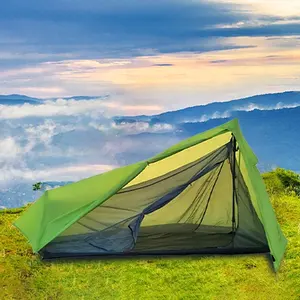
(24, 276)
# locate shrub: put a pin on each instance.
(37, 186)
(281, 181)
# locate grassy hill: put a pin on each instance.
(24, 276)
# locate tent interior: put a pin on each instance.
(199, 205)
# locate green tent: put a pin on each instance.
(203, 195)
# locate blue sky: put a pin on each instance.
(63, 48)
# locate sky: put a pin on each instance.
(150, 56)
(134, 57)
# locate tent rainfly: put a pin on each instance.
(204, 195)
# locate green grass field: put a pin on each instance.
(24, 276)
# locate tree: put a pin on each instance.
(37, 186)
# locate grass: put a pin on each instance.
(24, 276)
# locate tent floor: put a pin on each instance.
(169, 239)
(182, 237)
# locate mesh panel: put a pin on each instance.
(188, 209)
(191, 205)
(250, 232)
(132, 201)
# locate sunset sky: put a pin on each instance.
(150, 56)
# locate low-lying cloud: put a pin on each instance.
(205, 118)
(277, 106)
(249, 107)
(65, 140)
(133, 127)
(61, 107)
(66, 173)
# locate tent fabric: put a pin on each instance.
(203, 195)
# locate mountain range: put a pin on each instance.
(16, 99)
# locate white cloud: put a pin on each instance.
(277, 106)
(44, 132)
(66, 173)
(42, 90)
(9, 150)
(84, 65)
(204, 118)
(249, 107)
(133, 128)
(61, 107)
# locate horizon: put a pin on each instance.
(91, 97)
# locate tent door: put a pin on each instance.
(118, 238)
(136, 223)
(122, 237)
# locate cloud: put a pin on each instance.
(61, 48)
(130, 28)
(266, 30)
(133, 127)
(65, 140)
(249, 107)
(218, 61)
(43, 90)
(9, 150)
(52, 31)
(163, 65)
(42, 135)
(205, 118)
(66, 173)
(279, 59)
(61, 107)
(277, 106)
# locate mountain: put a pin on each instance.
(16, 99)
(224, 109)
(216, 110)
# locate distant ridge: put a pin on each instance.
(15, 99)
(216, 110)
